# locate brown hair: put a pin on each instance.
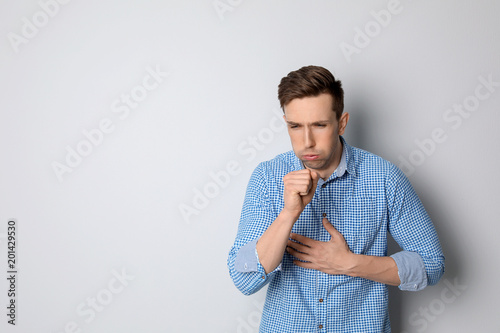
(311, 81)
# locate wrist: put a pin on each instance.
(352, 264)
(289, 216)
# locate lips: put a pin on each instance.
(310, 157)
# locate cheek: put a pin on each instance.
(327, 139)
(295, 136)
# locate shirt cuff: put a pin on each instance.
(246, 259)
(411, 270)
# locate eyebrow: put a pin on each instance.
(319, 122)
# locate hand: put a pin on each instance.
(300, 187)
(332, 257)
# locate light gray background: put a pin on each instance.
(120, 209)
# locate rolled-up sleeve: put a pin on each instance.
(421, 262)
(411, 270)
(245, 270)
(247, 258)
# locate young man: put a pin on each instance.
(315, 220)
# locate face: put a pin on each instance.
(314, 132)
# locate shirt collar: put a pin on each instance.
(349, 158)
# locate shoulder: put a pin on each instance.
(276, 167)
(374, 169)
(284, 162)
(366, 162)
(370, 167)
(376, 173)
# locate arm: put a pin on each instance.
(256, 215)
(258, 218)
(378, 269)
(271, 246)
(421, 262)
(300, 187)
(251, 267)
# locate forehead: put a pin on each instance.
(310, 109)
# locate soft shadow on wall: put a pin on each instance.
(360, 134)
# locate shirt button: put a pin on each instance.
(263, 277)
(324, 214)
(321, 300)
(320, 326)
(324, 185)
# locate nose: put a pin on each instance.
(308, 138)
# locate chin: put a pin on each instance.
(315, 165)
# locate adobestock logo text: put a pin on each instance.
(363, 37)
(31, 26)
(98, 302)
(452, 117)
(94, 137)
(220, 179)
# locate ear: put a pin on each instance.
(344, 118)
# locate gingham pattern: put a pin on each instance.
(370, 198)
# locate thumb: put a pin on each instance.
(315, 178)
(331, 229)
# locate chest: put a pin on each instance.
(357, 210)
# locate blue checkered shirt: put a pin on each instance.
(365, 198)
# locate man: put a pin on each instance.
(314, 223)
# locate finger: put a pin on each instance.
(302, 239)
(298, 247)
(305, 193)
(314, 176)
(297, 254)
(300, 184)
(313, 185)
(309, 184)
(299, 174)
(308, 265)
(304, 178)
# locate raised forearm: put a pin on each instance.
(271, 245)
(300, 187)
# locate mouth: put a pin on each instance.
(310, 157)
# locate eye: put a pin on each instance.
(321, 125)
